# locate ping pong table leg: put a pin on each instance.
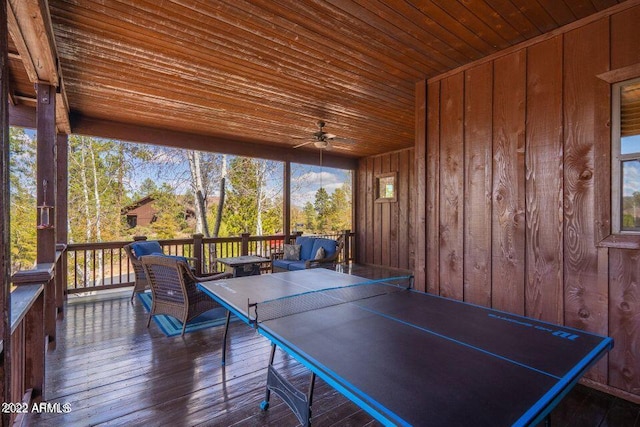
(297, 401)
(265, 403)
(224, 338)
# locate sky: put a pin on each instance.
(629, 145)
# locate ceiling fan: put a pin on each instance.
(322, 139)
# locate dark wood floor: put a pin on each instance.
(111, 370)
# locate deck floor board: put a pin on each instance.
(114, 371)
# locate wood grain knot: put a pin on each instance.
(586, 175)
(584, 313)
(624, 306)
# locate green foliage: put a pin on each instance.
(23, 202)
(147, 188)
(95, 192)
(339, 213)
(309, 212)
(245, 195)
(329, 213)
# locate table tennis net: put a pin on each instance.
(314, 300)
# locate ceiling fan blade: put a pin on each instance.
(303, 144)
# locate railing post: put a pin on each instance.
(198, 252)
(139, 238)
(61, 279)
(346, 251)
(244, 245)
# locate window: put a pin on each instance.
(386, 187)
(626, 156)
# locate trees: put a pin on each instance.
(95, 192)
(252, 206)
(105, 176)
(23, 202)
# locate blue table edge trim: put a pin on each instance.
(232, 309)
(538, 412)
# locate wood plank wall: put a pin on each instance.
(386, 230)
(517, 195)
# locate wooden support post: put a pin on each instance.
(46, 194)
(244, 245)
(61, 213)
(198, 251)
(5, 255)
(286, 200)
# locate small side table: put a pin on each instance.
(245, 265)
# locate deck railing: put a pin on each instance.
(100, 266)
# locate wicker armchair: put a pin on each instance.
(174, 290)
(134, 251)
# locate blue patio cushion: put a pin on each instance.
(289, 264)
(152, 247)
(329, 246)
(297, 265)
(146, 247)
(306, 246)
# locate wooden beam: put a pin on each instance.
(63, 125)
(129, 132)
(31, 30)
(21, 45)
(31, 26)
(22, 116)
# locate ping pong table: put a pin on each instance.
(407, 357)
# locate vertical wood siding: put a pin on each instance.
(508, 182)
(432, 238)
(516, 156)
(452, 187)
(544, 196)
(478, 152)
(385, 229)
(586, 55)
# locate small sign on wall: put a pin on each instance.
(386, 190)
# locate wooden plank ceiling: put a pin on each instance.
(265, 71)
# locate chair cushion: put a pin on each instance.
(292, 252)
(329, 246)
(177, 257)
(297, 265)
(288, 264)
(142, 248)
(306, 247)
